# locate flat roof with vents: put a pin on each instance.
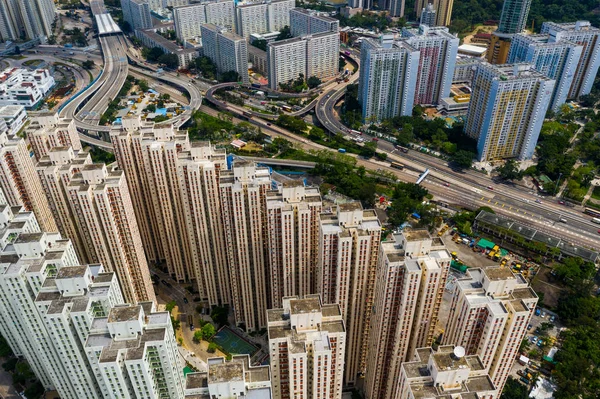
(106, 25)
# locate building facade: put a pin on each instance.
(22, 87)
(410, 282)
(348, 251)
(507, 109)
(512, 21)
(137, 14)
(584, 34)
(308, 22)
(388, 78)
(243, 208)
(227, 50)
(30, 19)
(286, 60)
(557, 60)
(437, 59)
(490, 311)
(293, 235)
(437, 12)
(263, 17)
(307, 341)
(428, 17)
(189, 18)
(46, 131)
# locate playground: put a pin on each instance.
(233, 342)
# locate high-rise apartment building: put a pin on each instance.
(584, 34)
(103, 210)
(263, 17)
(307, 341)
(512, 21)
(388, 78)
(235, 378)
(308, 22)
(133, 349)
(394, 7)
(428, 17)
(507, 110)
(438, 12)
(199, 169)
(313, 55)
(489, 314)
(227, 50)
(438, 49)
(19, 182)
(557, 60)
(437, 373)
(410, 281)
(293, 236)
(189, 18)
(243, 207)
(152, 157)
(137, 13)
(46, 131)
(56, 170)
(69, 310)
(31, 19)
(348, 251)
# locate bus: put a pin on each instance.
(397, 165)
(403, 149)
(286, 108)
(592, 212)
(355, 132)
(247, 114)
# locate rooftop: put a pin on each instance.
(306, 305)
(350, 206)
(71, 272)
(416, 235)
(196, 380)
(229, 371)
(124, 313)
(499, 273)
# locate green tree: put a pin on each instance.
(463, 159)
(5, 349)
(153, 54)
(407, 198)
(219, 315)
(292, 123)
(509, 171)
(35, 390)
(150, 108)
(368, 150)
(230, 76)
(313, 82)
(170, 306)
(260, 44)
(513, 389)
(22, 373)
(316, 133)
(212, 347)
(206, 66)
(208, 331)
(169, 60)
(284, 33)
(88, 64)
(143, 85)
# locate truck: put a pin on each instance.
(465, 241)
(596, 220)
(342, 150)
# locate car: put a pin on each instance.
(191, 327)
(529, 327)
(375, 139)
(164, 282)
(268, 123)
(539, 201)
(552, 318)
(534, 339)
(537, 312)
(561, 202)
(539, 343)
(490, 188)
(185, 300)
(447, 184)
(543, 315)
(168, 284)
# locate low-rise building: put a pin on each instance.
(14, 116)
(23, 87)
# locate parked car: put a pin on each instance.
(185, 300)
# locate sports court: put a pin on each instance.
(233, 343)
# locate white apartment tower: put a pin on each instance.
(309, 22)
(307, 341)
(105, 217)
(31, 19)
(313, 55)
(189, 18)
(507, 110)
(46, 131)
(410, 281)
(19, 182)
(555, 59)
(243, 208)
(490, 311)
(55, 170)
(428, 15)
(263, 17)
(235, 378)
(137, 13)
(227, 50)
(438, 49)
(442, 373)
(587, 36)
(438, 11)
(348, 251)
(199, 169)
(77, 296)
(388, 78)
(293, 236)
(133, 349)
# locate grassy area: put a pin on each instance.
(596, 193)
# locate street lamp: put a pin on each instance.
(556, 187)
